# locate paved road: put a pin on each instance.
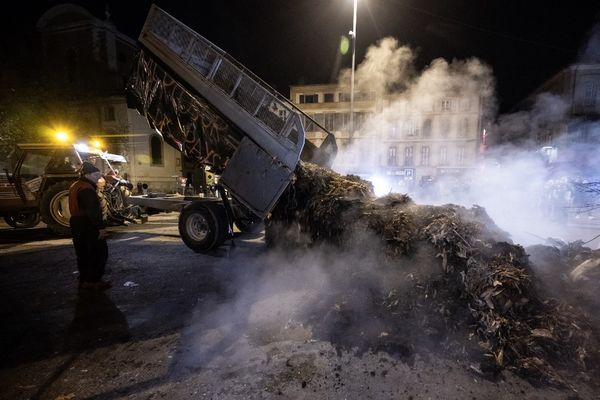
(180, 325)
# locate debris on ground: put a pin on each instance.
(486, 279)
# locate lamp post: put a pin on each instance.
(353, 33)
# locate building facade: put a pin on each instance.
(83, 62)
(409, 142)
(92, 60)
(569, 131)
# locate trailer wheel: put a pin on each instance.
(203, 226)
(54, 208)
(23, 219)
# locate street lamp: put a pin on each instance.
(353, 33)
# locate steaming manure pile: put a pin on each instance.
(483, 281)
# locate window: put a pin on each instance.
(344, 97)
(392, 161)
(446, 104)
(464, 128)
(465, 104)
(411, 128)
(309, 126)
(394, 132)
(443, 155)
(63, 161)
(329, 121)
(320, 118)
(343, 121)
(444, 127)
(156, 150)
(34, 165)
(425, 156)
(364, 96)
(328, 98)
(108, 113)
(408, 156)
(591, 91)
(359, 119)
(427, 128)
(460, 156)
(309, 98)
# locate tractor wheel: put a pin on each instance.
(23, 219)
(54, 208)
(203, 226)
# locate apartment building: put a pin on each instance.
(407, 141)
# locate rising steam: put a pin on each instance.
(513, 180)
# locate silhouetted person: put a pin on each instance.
(87, 228)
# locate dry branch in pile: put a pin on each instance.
(520, 329)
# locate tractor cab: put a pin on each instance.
(35, 183)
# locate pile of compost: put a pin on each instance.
(483, 281)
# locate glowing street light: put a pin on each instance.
(353, 34)
(61, 136)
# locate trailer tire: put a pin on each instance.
(54, 208)
(203, 226)
(23, 219)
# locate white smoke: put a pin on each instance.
(386, 68)
(545, 119)
(514, 182)
(389, 71)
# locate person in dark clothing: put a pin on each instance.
(87, 228)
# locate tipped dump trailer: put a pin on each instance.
(220, 115)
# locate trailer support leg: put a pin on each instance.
(228, 209)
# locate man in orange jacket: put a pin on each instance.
(87, 228)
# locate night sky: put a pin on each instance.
(288, 42)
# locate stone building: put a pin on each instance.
(86, 61)
(564, 117)
(406, 142)
(579, 87)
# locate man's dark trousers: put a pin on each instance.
(91, 252)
